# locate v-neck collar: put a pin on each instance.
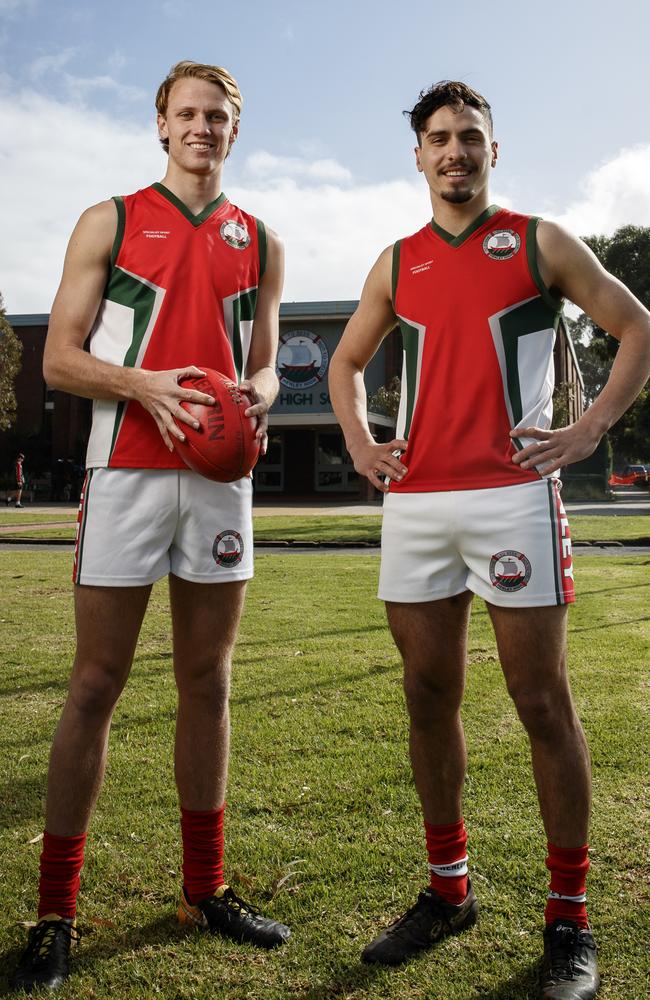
(457, 241)
(196, 220)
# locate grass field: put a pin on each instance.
(323, 827)
(330, 528)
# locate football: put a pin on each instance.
(224, 446)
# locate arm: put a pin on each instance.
(372, 321)
(261, 383)
(68, 367)
(568, 265)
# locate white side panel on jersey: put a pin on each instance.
(245, 325)
(112, 333)
(110, 339)
(536, 379)
(534, 367)
(402, 413)
(246, 332)
(101, 434)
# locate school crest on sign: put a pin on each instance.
(302, 359)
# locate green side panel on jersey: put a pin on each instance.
(262, 244)
(128, 291)
(530, 317)
(196, 220)
(397, 246)
(243, 308)
(531, 253)
(119, 232)
(457, 241)
(411, 342)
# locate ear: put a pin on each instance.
(418, 162)
(495, 153)
(162, 127)
(234, 132)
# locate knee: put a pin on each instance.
(95, 692)
(207, 681)
(544, 714)
(428, 698)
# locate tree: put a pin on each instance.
(11, 351)
(386, 399)
(626, 255)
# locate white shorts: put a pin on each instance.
(137, 525)
(510, 546)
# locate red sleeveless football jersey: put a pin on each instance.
(478, 327)
(182, 290)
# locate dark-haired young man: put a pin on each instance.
(164, 280)
(472, 503)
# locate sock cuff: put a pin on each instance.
(452, 870)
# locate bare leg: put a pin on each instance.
(108, 621)
(532, 649)
(432, 638)
(205, 619)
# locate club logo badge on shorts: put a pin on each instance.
(235, 234)
(510, 570)
(228, 549)
(501, 244)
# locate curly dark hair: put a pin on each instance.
(446, 93)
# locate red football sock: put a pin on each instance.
(62, 859)
(202, 834)
(447, 850)
(567, 892)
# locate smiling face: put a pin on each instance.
(456, 155)
(198, 124)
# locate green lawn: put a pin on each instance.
(348, 528)
(323, 826)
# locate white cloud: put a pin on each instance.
(615, 194)
(333, 235)
(55, 161)
(80, 88)
(333, 227)
(266, 165)
(53, 63)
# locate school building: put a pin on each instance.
(306, 454)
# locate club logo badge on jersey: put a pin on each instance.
(228, 549)
(235, 234)
(510, 570)
(302, 359)
(501, 244)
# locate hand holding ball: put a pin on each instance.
(224, 447)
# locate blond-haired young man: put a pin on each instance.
(169, 279)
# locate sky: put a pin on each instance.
(324, 155)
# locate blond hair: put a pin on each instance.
(199, 71)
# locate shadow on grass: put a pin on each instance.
(355, 977)
(14, 691)
(609, 624)
(522, 985)
(127, 720)
(98, 944)
(21, 799)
